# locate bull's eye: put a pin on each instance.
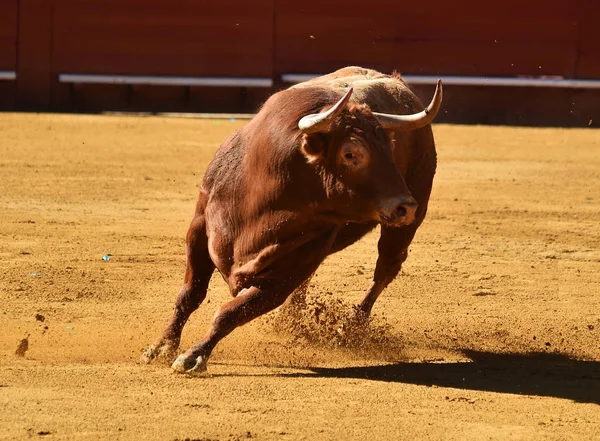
(353, 155)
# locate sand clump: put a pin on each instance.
(322, 321)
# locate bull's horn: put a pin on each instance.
(415, 121)
(321, 122)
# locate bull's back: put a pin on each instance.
(382, 93)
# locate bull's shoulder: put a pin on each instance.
(226, 165)
(261, 157)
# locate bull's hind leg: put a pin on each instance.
(199, 268)
(249, 304)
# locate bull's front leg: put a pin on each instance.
(249, 304)
(393, 251)
(198, 271)
(264, 294)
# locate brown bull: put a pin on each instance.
(319, 166)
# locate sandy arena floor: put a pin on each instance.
(492, 331)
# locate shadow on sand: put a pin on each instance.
(541, 374)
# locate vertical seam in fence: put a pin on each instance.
(274, 44)
(578, 44)
(51, 71)
(17, 44)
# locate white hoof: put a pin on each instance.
(185, 365)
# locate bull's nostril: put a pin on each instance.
(400, 211)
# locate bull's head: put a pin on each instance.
(352, 145)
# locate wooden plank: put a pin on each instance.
(438, 58)
(154, 37)
(454, 80)
(34, 59)
(537, 20)
(507, 38)
(165, 80)
(8, 35)
(588, 65)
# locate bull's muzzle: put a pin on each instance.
(396, 212)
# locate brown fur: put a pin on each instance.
(275, 202)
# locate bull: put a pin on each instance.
(319, 166)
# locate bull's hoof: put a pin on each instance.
(362, 316)
(190, 365)
(164, 351)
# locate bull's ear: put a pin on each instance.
(314, 148)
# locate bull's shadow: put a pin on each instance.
(540, 374)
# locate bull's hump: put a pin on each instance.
(363, 85)
(345, 82)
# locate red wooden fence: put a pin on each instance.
(8, 50)
(471, 37)
(8, 34)
(175, 37)
(40, 39)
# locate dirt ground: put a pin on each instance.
(492, 331)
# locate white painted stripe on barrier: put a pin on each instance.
(504, 81)
(219, 116)
(8, 75)
(476, 81)
(297, 78)
(165, 80)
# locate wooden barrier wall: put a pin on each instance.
(8, 50)
(507, 38)
(588, 50)
(176, 37)
(8, 34)
(40, 39)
